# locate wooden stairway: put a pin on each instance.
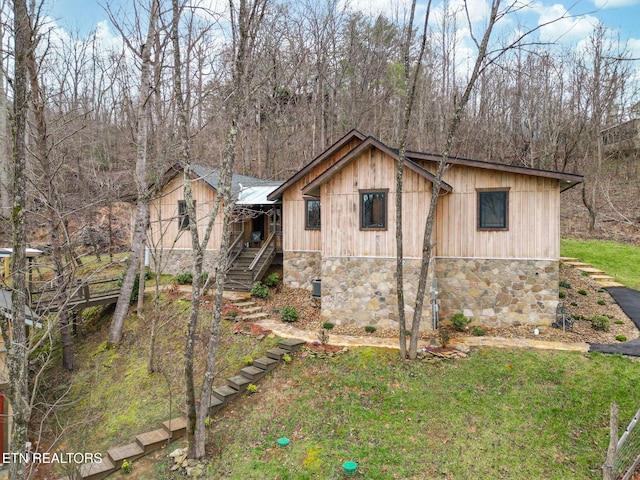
(240, 277)
(176, 428)
(594, 273)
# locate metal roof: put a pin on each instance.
(255, 195)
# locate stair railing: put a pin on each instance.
(260, 254)
(236, 247)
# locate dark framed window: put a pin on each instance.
(312, 214)
(183, 215)
(493, 209)
(373, 209)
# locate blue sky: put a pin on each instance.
(621, 16)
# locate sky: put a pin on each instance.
(622, 17)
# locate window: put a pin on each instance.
(493, 210)
(183, 216)
(373, 209)
(312, 217)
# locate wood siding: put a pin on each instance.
(165, 228)
(341, 233)
(294, 235)
(534, 216)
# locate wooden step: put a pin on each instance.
(225, 393)
(153, 440)
(129, 452)
(265, 363)
(97, 471)
(177, 427)
(239, 382)
(277, 353)
(253, 373)
(292, 344)
(215, 405)
(569, 259)
(578, 264)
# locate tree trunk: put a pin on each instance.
(141, 174)
(15, 334)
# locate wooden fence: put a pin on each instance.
(623, 455)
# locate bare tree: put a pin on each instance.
(141, 177)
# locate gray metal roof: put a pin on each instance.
(249, 190)
(6, 305)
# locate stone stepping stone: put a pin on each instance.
(253, 373)
(177, 427)
(97, 471)
(590, 270)
(153, 440)
(602, 278)
(292, 344)
(239, 382)
(126, 452)
(265, 363)
(255, 316)
(251, 310)
(242, 305)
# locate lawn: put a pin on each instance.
(619, 260)
(496, 414)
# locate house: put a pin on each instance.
(256, 226)
(496, 235)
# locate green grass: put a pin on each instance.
(497, 414)
(618, 260)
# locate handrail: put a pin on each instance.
(262, 250)
(233, 256)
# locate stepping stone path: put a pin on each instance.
(250, 311)
(176, 428)
(594, 273)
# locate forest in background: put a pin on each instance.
(317, 70)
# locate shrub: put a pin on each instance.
(621, 338)
(618, 322)
(323, 336)
(601, 302)
(444, 337)
(369, 329)
(562, 294)
(126, 467)
(251, 388)
(574, 304)
(478, 332)
(328, 325)
(289, 314)
(601, 290)
(564, 284)
(460, 322)
(286, 358)
(208, 421)
(259, 290)
(272, 280)
(582, 292)
(600, 322)
(585, 274)
(136, 284)
(183, 278)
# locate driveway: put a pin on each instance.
(629, 301)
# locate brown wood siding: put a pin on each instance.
(165, 229)
(294, 235)
(534, 213)
(341, 233)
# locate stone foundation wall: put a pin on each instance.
(361, 291)
(180, 261)
(498, 293)
(299, 269)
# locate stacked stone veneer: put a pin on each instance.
(299, 269)
(174, 262)
(361, 291)
(498, 292)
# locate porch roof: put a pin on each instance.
(256, 195)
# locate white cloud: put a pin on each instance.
(605, 4)
(558, 25)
